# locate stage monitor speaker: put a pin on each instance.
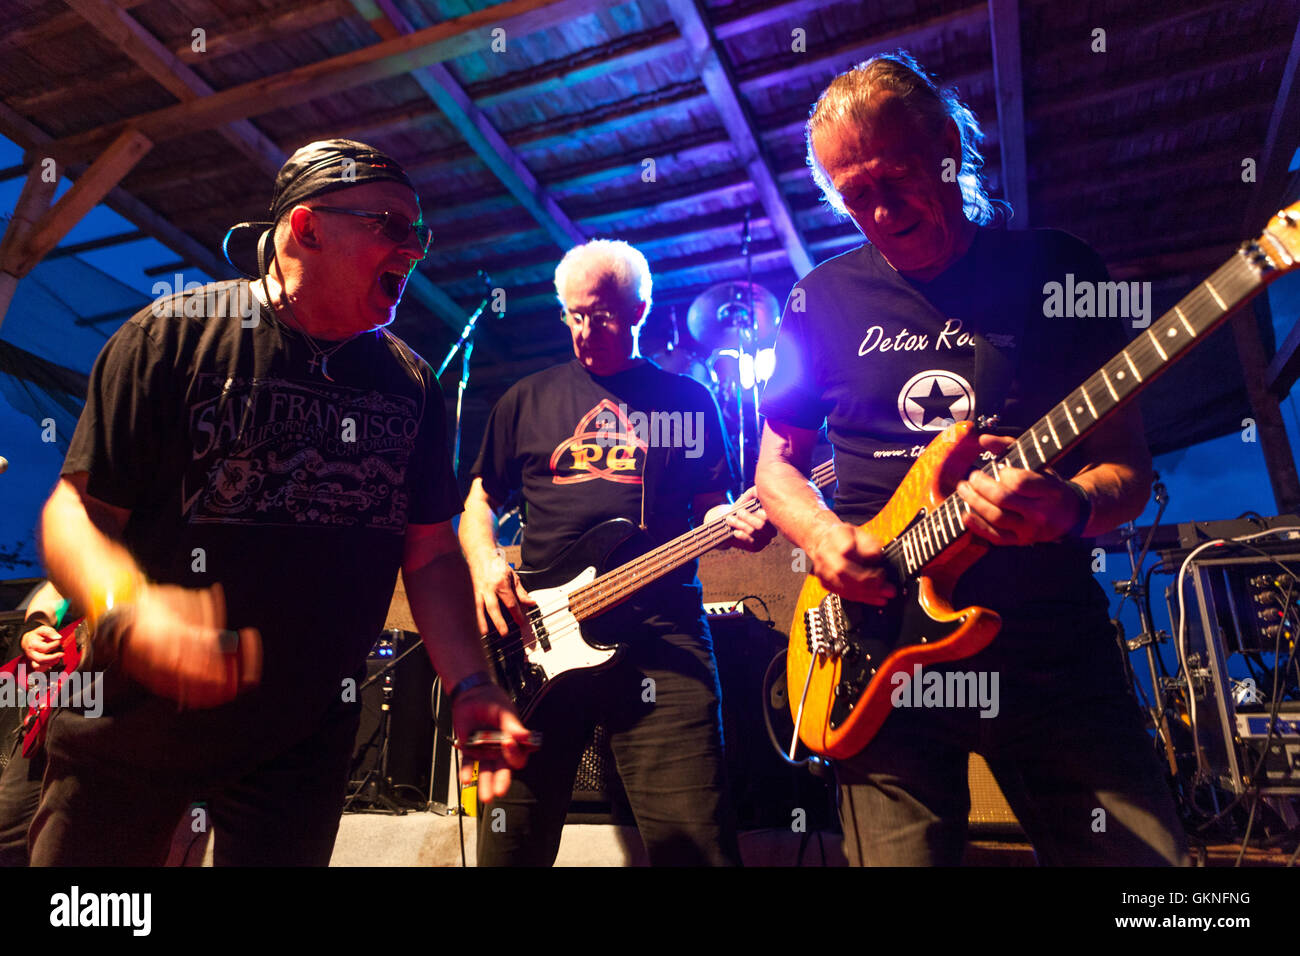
(406, 690)
(765, 790)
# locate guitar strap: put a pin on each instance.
(996, 365)
(997, 343)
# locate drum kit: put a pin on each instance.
(732, 330)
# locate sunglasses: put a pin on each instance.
(599, 319)
(392, 225)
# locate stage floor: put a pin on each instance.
(432, 839)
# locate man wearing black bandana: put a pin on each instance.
(254, 463)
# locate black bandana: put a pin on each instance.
(328, 165)
(320, 167)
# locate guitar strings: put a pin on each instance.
(1236, 278)
(605, 590)
(594, 597)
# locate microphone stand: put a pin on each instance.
(466, 340)
(1135, 588)
(743, 332)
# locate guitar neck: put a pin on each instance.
(1150, 354)
(618, 585)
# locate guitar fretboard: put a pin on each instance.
(1149, 354)
(617, 585)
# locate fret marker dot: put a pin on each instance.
(1172, 333)
(1078, 409)
(1119, 374)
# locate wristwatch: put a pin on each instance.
(476, 679)
(1085, 510)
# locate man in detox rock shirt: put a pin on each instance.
(940, 318)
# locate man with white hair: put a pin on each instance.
(938, 317)
(568, 437)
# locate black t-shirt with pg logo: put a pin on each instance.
(585, 448)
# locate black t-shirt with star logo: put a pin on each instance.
(887, 362)
(585, 448)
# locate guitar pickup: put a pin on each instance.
(539, 632)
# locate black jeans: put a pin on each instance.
(20, 794)
(661, 706)
(283, 812)
(1068, 749)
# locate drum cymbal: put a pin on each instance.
(717, 313)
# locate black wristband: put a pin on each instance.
(105, 644)
(477, 679)
(34, 620)
(1085, 510)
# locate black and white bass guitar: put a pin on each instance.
(584, 582)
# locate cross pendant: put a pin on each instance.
(311, 366)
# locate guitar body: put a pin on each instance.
(849, 690)
(38, 715)
(847, 656)
(555, 643)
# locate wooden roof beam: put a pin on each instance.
(121, 29)
(247, 32)
(31, 138)
(239, 37)
(86, 193)
(56, 25)
(645, 238)
(964, 18)
(724, 92)
(652, 44)
(1279, 145)
(1267, 380)
(104, 242)
(380, 61)
(548, 78)
(1008, 83)
(441, 86)
(1150, 84)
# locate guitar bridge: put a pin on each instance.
(826, 628)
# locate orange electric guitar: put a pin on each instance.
(843, 655)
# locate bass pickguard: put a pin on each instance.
(863, 637)
(554, 642)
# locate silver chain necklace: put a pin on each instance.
(320, 356)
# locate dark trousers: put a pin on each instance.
(20, 794)
(661, 707)
(1068, 748)
(284, 812)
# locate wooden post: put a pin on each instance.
(32, 205)
(86, 193)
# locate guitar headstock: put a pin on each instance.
(1281, 239)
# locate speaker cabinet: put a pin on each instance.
(404, 694)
